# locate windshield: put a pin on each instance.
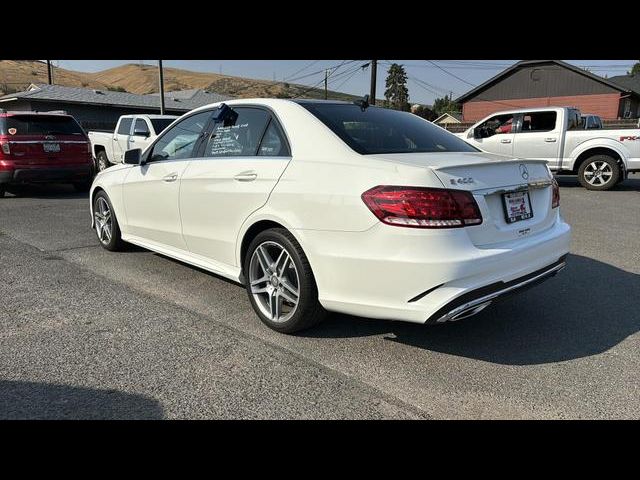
(159, 124)
(42, 125)
(380, 130)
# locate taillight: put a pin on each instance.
(555, 199)
(89, 147)
(5, 148)
(421, 207)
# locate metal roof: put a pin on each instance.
(631, 82)
(525, 63)
(182, 101)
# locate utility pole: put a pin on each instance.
(161, 87)
(49, 71)
(374, 71)
(326, 77)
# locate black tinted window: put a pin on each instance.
(125, 126)
(380, 130)
(159, 124)
(140, 126)
(542, 122)
(239, 138)
(273, 142)
(179, 140)
(42, 125)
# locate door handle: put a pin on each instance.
(550, 140)
(132, 141)
(505, 140)
(172, 177)
(248, 176)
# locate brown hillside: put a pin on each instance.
(16, 75)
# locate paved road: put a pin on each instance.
(92, 334)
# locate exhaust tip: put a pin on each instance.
(456, 315)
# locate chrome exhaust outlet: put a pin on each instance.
(465, 311)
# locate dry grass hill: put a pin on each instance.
(16, 75)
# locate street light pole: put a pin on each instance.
(49, 71)
(161, 87)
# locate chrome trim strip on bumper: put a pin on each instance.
(487, 298)
(523, 187)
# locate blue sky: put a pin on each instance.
(426, 80)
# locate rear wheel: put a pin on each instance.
(280, 283)
(599, 172)
(106, 223)
(2, 190)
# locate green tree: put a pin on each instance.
(635, 69)
(396, 93)
(445, 105)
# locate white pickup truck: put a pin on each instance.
(601, 158)
(132, 131)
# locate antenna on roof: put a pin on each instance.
(363, 103)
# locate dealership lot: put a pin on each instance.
(87, 333)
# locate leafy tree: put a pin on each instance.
(635, 70)
(396, 93)
(423, 111)
(445, 105)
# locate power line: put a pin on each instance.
(301, 70)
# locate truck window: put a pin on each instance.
(125, 126)
(159, 124)
(538, 122)
(497, 124)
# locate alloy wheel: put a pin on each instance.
(104, 221)
(598, 173)
(274, 281)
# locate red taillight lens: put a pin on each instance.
(555, 199)
(421, 207)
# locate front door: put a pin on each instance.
(121, 139)
(495, 135)
(151, 191)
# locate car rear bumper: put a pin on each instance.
(63, 174)
(418, 276)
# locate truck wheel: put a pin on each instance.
(1, 191)
(599, 172)
(102, 161)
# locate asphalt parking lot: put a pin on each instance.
(86, 333)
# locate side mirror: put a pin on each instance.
(132, 157)
(141, 132)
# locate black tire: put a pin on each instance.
(102, 161)
(115, 242)
(308, 312)
(609, 163)
(2, 190)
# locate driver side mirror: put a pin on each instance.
(141, 132)
(132, 157)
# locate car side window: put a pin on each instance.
(538, 122)
(497, 124)
(240, 138)
(125, 126)
(273, 143)
(179, 141)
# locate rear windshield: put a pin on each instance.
(380, 130)
(159, 124)
(40, 125)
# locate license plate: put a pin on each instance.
(517, 206)
(51, 147)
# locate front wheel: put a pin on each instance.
(106, 223)
(280, 283)
(599, 172)
(102, 161)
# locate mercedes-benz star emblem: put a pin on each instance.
(523, 171)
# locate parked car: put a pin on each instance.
(591, 122)
(601, 158)
(331, 206)
(132, 131)
(37, 147)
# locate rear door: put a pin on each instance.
(54, 140)
(238, 167)
(121, 139)
(538, 136)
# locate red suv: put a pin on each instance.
(43, 147)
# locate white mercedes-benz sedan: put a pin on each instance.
(320, 206)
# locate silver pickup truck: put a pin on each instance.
(132, 131)
(601, 158)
